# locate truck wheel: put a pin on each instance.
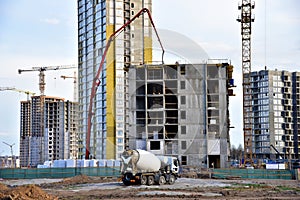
(143, 180)
(162, 180)
(172, 179)
(126, 179)
(150, 180)
(127, 183)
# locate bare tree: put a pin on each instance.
(236, 153)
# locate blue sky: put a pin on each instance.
(44, 33)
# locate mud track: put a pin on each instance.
(83, 187)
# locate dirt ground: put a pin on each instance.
(83, 187)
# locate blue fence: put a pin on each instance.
(34, 173)
(254, 173)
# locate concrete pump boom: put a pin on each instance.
(96, 81)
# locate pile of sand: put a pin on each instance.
(26, 192)
(3, 187)
(80, 179)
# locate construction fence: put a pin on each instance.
(36, 173)
(256, 173)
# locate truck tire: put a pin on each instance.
(162, 180)
(143, 180)
(150, 180)
(127, 183)
(126, 179)
(172, 179)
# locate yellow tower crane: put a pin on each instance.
(42, 73)
(18, 90)
(75, 84)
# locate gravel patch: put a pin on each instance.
(18, 182)
(170, 193)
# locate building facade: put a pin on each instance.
(48, 130)
(276, 117)
(97, 21)
(181, 110)
(9, 162)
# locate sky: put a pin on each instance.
(44, 33)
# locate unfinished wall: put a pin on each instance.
(48, 130)
(180, 110)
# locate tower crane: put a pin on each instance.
(246, 19)
(42, 70)
(42, 84)
(75, 84)
(18, 90)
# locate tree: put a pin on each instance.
(236, 153)
(233, 151)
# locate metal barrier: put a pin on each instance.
(35, 173)
(253, 173)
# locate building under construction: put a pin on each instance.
(181, 110)
(48, 130)
(97, 21)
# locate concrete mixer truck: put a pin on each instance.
(142, 167)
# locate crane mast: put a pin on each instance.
(246, 19)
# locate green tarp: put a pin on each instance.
(34, 173)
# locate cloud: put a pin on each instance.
(52, 21)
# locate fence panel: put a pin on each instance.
(253, 173)
(34, 173)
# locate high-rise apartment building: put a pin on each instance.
(97, 21)
(48, 130)
(181, 110)
(276, 116)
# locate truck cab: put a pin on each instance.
(173, 162)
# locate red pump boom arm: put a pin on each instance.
(96, 81)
